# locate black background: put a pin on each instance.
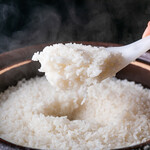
(29, 22)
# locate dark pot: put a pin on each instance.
(16, 65)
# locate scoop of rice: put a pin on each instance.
(72, 65)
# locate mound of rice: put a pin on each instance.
(70, 65)
(116, 113)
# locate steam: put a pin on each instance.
(42, 26)
(36, 22)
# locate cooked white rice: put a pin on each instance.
(116, 113)
(70, 65)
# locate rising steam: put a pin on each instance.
(24, 23)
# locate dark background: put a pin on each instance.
(29, 22)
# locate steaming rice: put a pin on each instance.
(116, 113)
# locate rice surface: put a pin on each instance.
(116, 113)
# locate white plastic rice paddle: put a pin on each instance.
(131, 52)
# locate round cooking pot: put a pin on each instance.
(16, 65)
